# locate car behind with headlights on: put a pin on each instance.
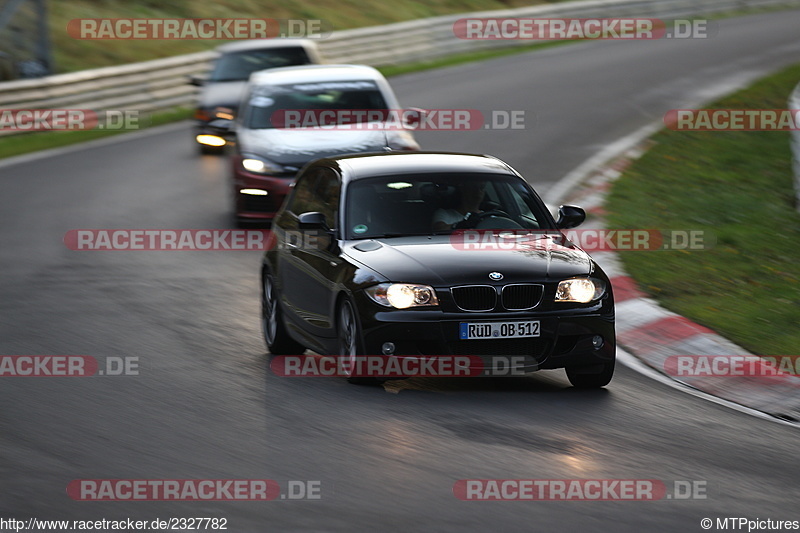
(270, 149)
(434, 255)
(221, 90)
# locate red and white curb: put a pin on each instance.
(652, 334)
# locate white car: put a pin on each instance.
(269, 154)
(221, 90)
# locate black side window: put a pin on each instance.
(302, 195)
(326, 196)
(317, 190)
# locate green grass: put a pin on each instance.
(71, 54)
(739, 186)
(74, 54)
(32, 142)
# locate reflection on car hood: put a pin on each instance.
(221, 94)
(436, 261)
(298, 146)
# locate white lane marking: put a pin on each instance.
(635, 364)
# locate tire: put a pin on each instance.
(348, 334)
(276, 337)
(596, 380)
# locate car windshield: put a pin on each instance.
(417, 204)
(268, 104)
(237, 66)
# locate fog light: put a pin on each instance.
(597, 342)
(254, 192)
(388, 348)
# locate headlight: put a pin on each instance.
(210, 140)
(580, 290)
(225, 113)
(403, 295)
(261, 166)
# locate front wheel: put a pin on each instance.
(276, 337)
(349, 342)
(581, 380)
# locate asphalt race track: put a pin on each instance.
(206, 406)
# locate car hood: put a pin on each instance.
(297, 146)
(221, 94)
(437, 261)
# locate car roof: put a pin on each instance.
(263, 44)
(314, 74)
(360, 166)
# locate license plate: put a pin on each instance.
(498, 330)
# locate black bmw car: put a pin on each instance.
(434, 254)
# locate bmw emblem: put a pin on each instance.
(495, 276)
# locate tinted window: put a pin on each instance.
(410, 204)
(237, 66)
(317, 190)
(302, 192)
(326, 196)
(264, 101)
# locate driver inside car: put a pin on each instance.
(470, 196)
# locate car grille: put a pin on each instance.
(263, 204)
(521, 296)
(475, 297)
(515, 297)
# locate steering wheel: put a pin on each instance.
(496, 219)
(480, 217)
(477, 220)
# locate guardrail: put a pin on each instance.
(794, 104)
(161, 84)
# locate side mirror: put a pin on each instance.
(197, 80)
(313, 220)
(570, 216)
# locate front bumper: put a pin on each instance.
(206, 135)
(565, 336)
(255, 207)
